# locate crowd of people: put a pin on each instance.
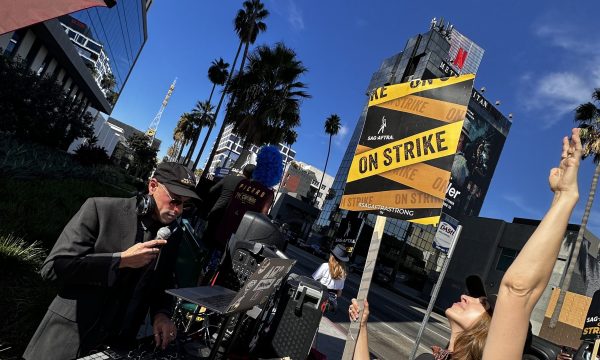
(116, 256)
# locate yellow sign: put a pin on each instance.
(401, 167)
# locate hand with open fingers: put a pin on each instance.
(563, 179)
(354, 312)
(164, 330)
(141, 254)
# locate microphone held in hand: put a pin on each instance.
(163, 234)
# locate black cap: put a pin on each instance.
(476, 289)
(177, 178)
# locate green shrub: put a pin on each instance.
(90, 154)
(37, 109)
(28, 161)
(25, 296)
(39, 209)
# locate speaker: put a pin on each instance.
(296, 320)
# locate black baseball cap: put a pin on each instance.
(177, 178)
(476, 289)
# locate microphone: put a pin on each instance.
(162, 234)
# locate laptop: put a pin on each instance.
(257, 289)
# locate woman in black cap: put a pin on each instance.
(333, 274)
(475, 334)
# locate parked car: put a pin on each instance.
(356, 268)
(585, 351)
(382, 274)
(542, 349)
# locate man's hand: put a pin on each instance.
(563, 179)
(564, 356)
(164, 330)
(141, 254)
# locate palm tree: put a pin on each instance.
(184, 131)
(268, 95)
(332, 127)
(108, 81)
(201, 117)
(217, 74)
(177, 145)
(588, 117)
(248, 23)
(171, 151)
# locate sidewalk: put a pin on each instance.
(332, 339)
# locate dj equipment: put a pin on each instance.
(258, 228)
(255, 239)
(296, 320)
(258, 288)
(146, 350)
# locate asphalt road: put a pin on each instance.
(394, 321)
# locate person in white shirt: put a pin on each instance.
(332, 274)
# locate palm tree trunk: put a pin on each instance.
(212, 92)
(572, 262)
(231, 99)
(212, 155)
(183, 144)
(324, 169)
(188, 158)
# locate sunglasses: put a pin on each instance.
(174, 201)
(486, 304)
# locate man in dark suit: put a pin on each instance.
(223, 191)
(107, 264)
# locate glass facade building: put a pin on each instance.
(407, 258)
(231, 147)
(120, 30)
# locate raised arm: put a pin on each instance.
(528, 276)
(361, 351)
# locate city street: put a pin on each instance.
(394, 321)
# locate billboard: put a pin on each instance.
(464, 55)
(401, 167)
(479, 147)
(591, 326)
(348, 232)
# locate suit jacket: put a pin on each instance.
(224, 190)
(96, 299)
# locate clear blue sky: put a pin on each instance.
(541, 60)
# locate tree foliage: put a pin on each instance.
(248, 21)
(144, 156)
(89, 153)
(587, 116)
(36, 108)
(217, 72)
(268, 95)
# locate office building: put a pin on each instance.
(301, 181)
(406, 248)
(110, 39)
(113, 131)
(231, 147)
